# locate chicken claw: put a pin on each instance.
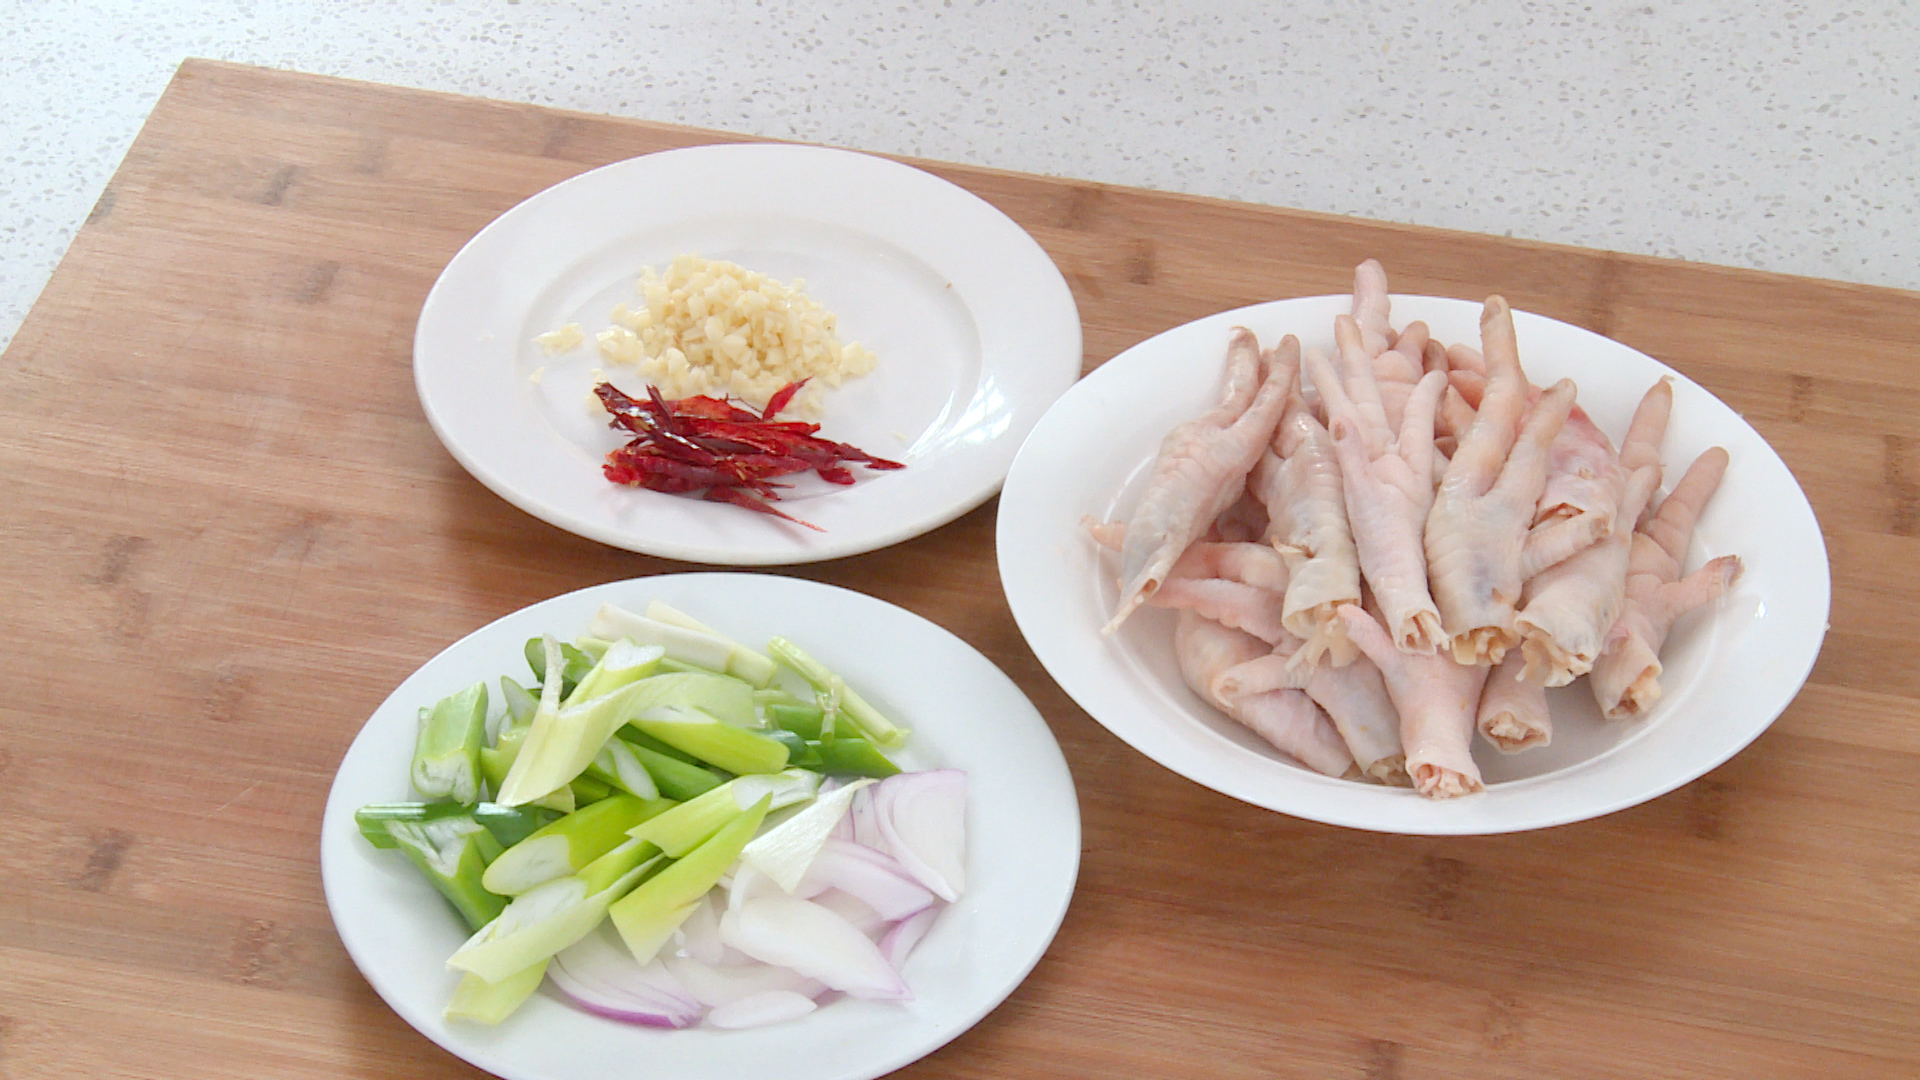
(1307, 524)
(1387, 477)
(1568, 608)
(1437, 700)
(1513, 709)
(1626, 678)
(1354, 697)
(1202, 468)
(1479, 546)
(1288, 719)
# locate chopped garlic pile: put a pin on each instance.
(710, 327)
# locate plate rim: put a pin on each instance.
(339, 851)
(1037, 624)
(1050, 316)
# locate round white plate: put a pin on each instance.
(1023, 840)
(975, 330)
(1729, 669)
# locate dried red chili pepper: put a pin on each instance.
(731, 454)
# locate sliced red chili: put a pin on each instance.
(730, 454)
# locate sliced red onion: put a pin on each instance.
(922, 817)
(873, 876)
(699, 935)
(748, 884)
(815, 942)
(759, 1010)
(719, 984)
(905, 934)
(856, 911)
(784, 851)
(601, 977)
(843, 829)
(866, 827)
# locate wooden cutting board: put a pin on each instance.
(228, 533)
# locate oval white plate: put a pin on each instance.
(1729, 669)
(1023, 840)
(975, 329)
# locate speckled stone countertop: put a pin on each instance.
(1779, 137)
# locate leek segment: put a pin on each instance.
(685, 827)
(453, 852)
(704, 736)
(563, 740)
(650, 914)
(685, 639)
(566, 846)
(483, 1002)
(619, 766)
(508, 824)
(446, 753)
(839, 696)
(622, 663)
(675, 778)
(550, 917)
(742, 662)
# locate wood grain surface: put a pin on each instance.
(228, 533)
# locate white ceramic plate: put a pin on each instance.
(1023, 845)
(1729, 669)
(975, 329)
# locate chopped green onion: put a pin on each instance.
(802, 720)
(675, 778)
(446, 753)
(482, 1002)
(550, 917)
(742, 662)
(687, 826)
(574, 663)
(619, 765)
(650, 914)
(508, 824)
(453, 853)
(567, 845)
(854, 708)
(622, 663)
(563, 741)
(847, 755)
(723, 746)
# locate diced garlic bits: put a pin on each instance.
(710, 327)
(561, 340)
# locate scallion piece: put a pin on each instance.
(574, 663)
(550, 917)
(852, 707)
(674, 775)
(850, 756)
(508, 824)
(564, 740)
(446, 753)
(482, 1002)
(453, 853)
(650, 914)
(721, 745)
(567, 845)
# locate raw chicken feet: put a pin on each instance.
(1626, 678)
(1202, 468)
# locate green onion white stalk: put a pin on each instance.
(550, 917)
(566, 846)
(650, 914)
(849, 705)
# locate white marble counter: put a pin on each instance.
(1787, 140)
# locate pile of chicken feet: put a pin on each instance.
(1376, 554)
